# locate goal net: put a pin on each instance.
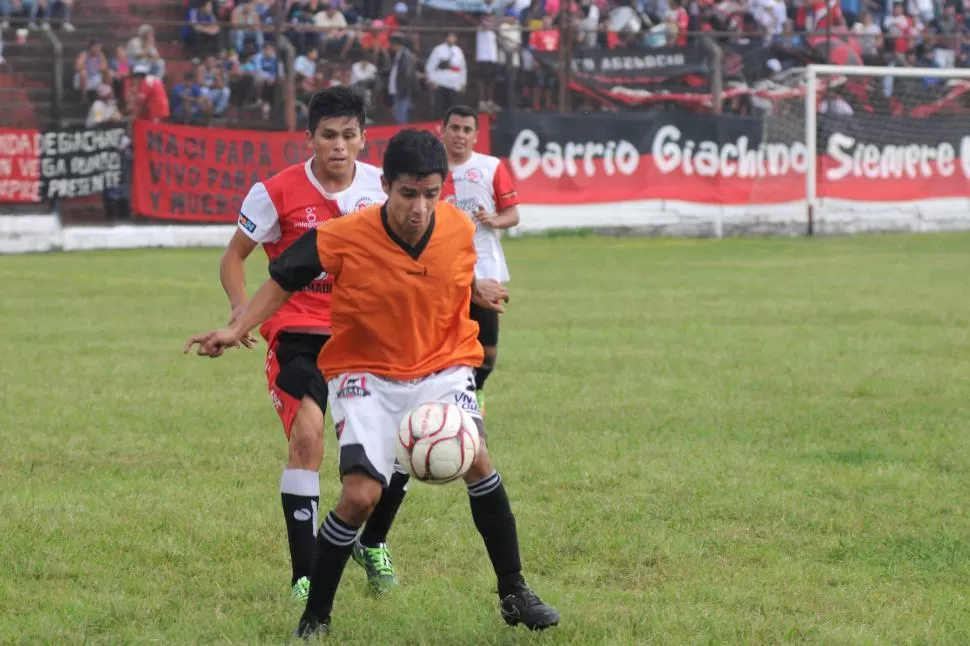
(874, 148)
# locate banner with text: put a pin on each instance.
(202, 174)
(19, 165)
(637, 76)
(78, 162)
(711, 159)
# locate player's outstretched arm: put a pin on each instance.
(489, 294)
(292, 270)
(232, 275)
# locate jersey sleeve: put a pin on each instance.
(299, 264)
(329, 249)
(505, 194)
(258, 218)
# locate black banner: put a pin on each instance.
(78, 162)
(631, 75)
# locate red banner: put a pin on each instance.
(712, 159)
(202, 174)
(19, 165)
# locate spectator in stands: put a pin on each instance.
(901, 31)
(363, 74)
(403, 82)
(48, 9)
(301, 16)
(190, 101)
(447, 74)
(337, 37)
(486, 57)
(120, 69)
(117, 200)
(305, 65)
(138, 45)
(266, 75)
(149, 99)
(244, 19)
(90, 70)
(104, 108)
(202, 32)
(869, 37)
(544, 40)
(216, 84)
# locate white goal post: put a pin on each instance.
(920, 153)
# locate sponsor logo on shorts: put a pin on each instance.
(246, 223)
(351, 387)
(277, 402)
(466, 401)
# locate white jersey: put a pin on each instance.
(483, 182)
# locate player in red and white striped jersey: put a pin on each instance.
(274, 214)
(481, 186)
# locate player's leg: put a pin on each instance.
(371, 551)
(363, 412)
(493, 515)
(488, 336)
(300, 396)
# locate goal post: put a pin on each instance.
(889, 148)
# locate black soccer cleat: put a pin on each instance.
(525, 607)
(312, 626)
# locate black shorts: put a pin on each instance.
(487, 325)
(487, 71)
(295, 366)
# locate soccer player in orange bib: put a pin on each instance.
(275, 213)
(402, 335)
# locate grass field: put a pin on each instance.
(706, 442)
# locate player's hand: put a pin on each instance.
(249, 341)
(483, 217)
(213, 344)
(490, 294)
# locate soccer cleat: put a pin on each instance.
(312, 626)
(301, 589)
(376, 562)
(525, 607)
(480, 397)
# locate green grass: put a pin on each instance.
(706, 442)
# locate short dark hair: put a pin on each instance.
(414, 152)
(461, 111)
(337, 101)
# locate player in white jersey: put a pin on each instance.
(482, 187)
(274, 214)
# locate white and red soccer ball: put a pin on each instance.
(437, 442)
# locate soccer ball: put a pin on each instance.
(437, 442)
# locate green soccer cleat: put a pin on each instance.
(480, 397)
(301, 589)
(376, 562)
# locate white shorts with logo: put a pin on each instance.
(368, 409)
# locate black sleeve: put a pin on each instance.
(298, 265)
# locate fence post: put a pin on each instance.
(57, 85)
(716, 73)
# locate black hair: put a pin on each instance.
(414, 152)
(461, 111)
(337, 101)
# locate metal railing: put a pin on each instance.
(57, 78)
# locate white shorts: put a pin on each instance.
(367, 410)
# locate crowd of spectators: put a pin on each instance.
(237, 67)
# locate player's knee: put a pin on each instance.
(306, 436)
(358, 497)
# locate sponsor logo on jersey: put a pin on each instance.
(467, 402)
(246, 223)
(311, 219)
(473, 175)
(362, 203)
(468, 205)
(352, 387)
